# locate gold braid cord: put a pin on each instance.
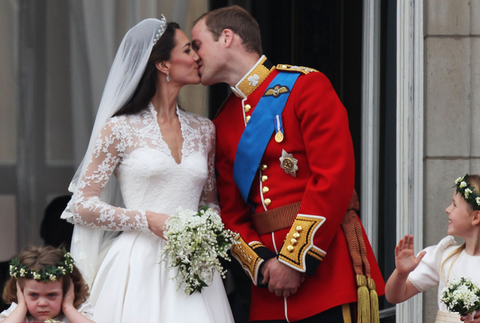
(367, 295)
(246, 255)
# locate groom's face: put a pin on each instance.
(209, 53)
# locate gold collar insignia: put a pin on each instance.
(252, 80)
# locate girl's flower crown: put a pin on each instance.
(47, 274)
(468, 192)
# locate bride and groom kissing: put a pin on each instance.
(277, 163)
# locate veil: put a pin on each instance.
(127, 69)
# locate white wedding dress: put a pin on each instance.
(131, 284)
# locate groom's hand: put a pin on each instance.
(282, 280)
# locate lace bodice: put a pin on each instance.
(131, 147)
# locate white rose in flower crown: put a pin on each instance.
(467, 192)
(459, 180)
(463, 184)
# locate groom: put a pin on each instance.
(285, 179)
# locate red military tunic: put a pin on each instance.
(316, 134)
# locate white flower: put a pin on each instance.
(458, 180)
(477, 200)
(467, 192)
(22, 272)
(253, 79)
(52, 277)
(463, 184)
(461, 296)
(36, 276)
(195, 240)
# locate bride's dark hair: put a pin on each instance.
(148, 83)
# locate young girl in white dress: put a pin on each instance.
(45, 285)
(436, 265)
(162, 158)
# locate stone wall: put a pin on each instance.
(452, 111)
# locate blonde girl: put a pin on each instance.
(45, 286)
(435, 265)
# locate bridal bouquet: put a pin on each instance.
(195, 240)
(461, 296)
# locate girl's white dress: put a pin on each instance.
(428, 274)
(131, 284)
(86, 309)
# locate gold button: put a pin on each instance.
(247, 118)
(296, 235)
(247, 107)
(290, 248)
(293, 241)
(264, 178)
(299, 228)
(265, 189)
(264, 167)
(268, 202)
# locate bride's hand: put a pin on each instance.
(156, 223)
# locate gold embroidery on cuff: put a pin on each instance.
(247, 257)
(299, 242)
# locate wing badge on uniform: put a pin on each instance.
(288, 163)
(276, 90)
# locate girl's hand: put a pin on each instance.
(69, 297)
(19, 313)
(476, 318)
(72, 314)
(405, 260)
(20, 296)
(156, 222)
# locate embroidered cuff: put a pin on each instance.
(251, 256)
(298, 251)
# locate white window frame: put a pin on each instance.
(409, 124)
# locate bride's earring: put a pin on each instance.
(168, 77)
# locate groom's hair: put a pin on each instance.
(239, 21)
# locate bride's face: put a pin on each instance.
(183, 61)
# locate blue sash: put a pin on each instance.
(259, 130)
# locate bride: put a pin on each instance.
(162, 158)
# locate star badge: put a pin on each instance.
(288, 163)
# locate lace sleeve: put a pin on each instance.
(86, 207)
(209, 194)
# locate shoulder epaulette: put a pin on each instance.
(295, 68)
